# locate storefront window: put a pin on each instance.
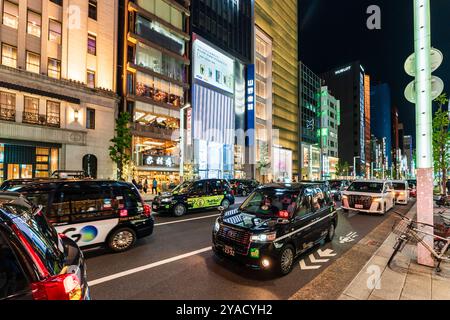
(164, 11)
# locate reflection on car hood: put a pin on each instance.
(356, 193)
(245, 220)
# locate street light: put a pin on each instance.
(354, 166)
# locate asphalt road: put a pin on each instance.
(177, 262)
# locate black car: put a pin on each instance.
(13, 183)
(243, 187)
(275, 224)
(35, 261)
(194, 195)
(336, 188)
(93, 212)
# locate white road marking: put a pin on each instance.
(303, 266)
(314, 260)
(326, 253)
(350, 237)
(146, 267)
(186, 220)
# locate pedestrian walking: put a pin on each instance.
(155, 186)
(145, 185)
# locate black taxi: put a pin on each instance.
(194, 195)
(276, 223)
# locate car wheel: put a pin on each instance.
(286, 260)
(225, 204)
(179, 210)
(244, 193)
(331, 233)
(121, 239)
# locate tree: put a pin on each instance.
(264, 162)
(441, 141)
(342, 168)
(119, 152)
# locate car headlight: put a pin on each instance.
(377, 199)
(167, 199)
(265, 237)
(216, 226)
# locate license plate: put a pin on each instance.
(228, 250)
(359, 206)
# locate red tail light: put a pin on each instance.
(123, 213)
(147, 210)
(60, 287)
(283, 214)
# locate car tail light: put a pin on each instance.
(123, 213)
(283, 214)
(147, 210)
(60, 287)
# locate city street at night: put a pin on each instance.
(178, 263)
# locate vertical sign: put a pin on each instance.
(189, 126)
(250, 101)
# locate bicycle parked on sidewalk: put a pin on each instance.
(408, 231)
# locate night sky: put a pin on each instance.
(334, 32)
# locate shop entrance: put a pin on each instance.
(19, 171)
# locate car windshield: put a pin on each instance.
(183, 188)
(270, 202)
(335, 184)
(37, 230)
(372, 187)
(399, 185)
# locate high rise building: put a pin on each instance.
(349, 84)
(408, 152)
(330, 120)
(309, 123)
(222, 122)
(277, 40)
(381, 114)
(57, 76)
(395, 143)
(153, 81)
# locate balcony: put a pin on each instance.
(151, 131)
(50, 120)
(7, 114)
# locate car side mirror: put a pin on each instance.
(221, 210)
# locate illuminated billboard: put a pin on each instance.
(212, 67)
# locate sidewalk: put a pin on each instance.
(405, 281)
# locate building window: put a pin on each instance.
(58, 2)
(9, 55)
(260, 67)
(54, 31)
(261, 110)
(34, 24)
(53, 113)
(92, 44)
(261, 47)
(7, 106)
(91, 79)
(54, 68)
(93, 9)
(31, 110)
(261, 89)
(33, 62)
(10, 14)
(90, 118)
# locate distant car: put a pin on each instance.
(35, 261)
(276, 223)
(371, 196)
(337, 187)
(243, 187)
(412, 186)
(194, 195)
(93, 212)
(401, 189)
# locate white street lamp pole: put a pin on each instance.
(422, 46)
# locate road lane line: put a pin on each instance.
(185, 220)
(146, 267)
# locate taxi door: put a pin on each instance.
(302, 225)
(196, 196)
